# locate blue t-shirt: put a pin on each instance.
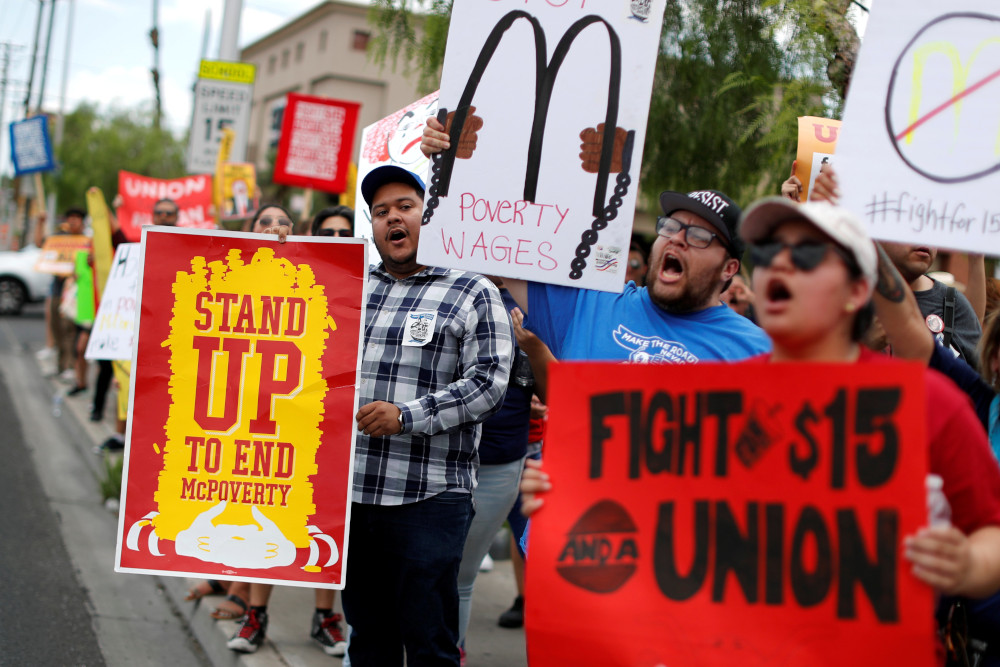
(587, 324)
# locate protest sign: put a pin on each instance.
(246, 368)
(393, 140)
(113, 330)
(239, 191)
(817, 143)
(549, 103)
(30, 146)
(58, 254)
(222, 99)
(192, 194)
(731, 514)
(918, 158)
(317, 139)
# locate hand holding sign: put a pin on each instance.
(534, 481)
(591, 143)
(792, 188)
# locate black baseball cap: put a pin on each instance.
(389, 173)
(714, 206)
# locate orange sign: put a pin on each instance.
(731, 515)
(58, 254)
(817, 143)
(238, 465)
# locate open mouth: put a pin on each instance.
(396, 234)
(777, 291)
(672, 267)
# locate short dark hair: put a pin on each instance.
(168, 201)
(75, 211)
(332, 212)
(268, 205)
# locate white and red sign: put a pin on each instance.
(193, 195)
(317, 140)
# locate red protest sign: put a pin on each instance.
(193, 195)
(240, 454)
(718, 515)
(317, 139)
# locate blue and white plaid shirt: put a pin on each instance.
(437, 345)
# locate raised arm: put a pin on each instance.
(975, 288)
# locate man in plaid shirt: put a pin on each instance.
(436, 362)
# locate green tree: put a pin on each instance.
(96, 145)
(731, 79)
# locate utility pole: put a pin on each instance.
(45, 58)
(34, 58)
(154, 37)
(7, 46)
(60, 119)
(228, 48)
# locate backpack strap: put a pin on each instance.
(949, 316)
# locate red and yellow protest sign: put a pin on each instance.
(731, 515)
(193, 195)
(817, 143)
(239, 453)
(58, 255)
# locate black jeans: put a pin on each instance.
(402, 581)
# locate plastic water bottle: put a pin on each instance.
(938, 509)
(521, 374)
(57, 403)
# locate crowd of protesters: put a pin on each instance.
(451, 432)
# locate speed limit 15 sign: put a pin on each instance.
(222, 99)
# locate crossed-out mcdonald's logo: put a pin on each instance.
(942, 38)
(546, 72)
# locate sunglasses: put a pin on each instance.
(334, 232)
(806, 256)
(267, 221)
(164, 212)
(694, 236)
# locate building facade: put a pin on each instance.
(324, 53)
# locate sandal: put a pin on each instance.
(235, 610)
(203, 588)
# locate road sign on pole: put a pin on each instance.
(222, 99)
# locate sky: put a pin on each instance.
(110, 53)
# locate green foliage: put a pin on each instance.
(111, 480)
(97, 144)
(397, 37)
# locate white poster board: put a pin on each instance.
(114, 327)
(393, 140)
(550, 82)
(919, 156)
(222, 98)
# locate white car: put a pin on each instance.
(19, 282)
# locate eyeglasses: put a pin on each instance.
(267, 221)
(694, 236)
(334, 232)
(164, 211)
(806, 256)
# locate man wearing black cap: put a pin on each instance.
(678, 316)
(436, 363)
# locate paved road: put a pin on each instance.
(45, 616)
(62, 603)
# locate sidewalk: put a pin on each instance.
(291, 607)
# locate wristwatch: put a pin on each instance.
(400, 418)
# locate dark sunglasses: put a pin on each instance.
(164, 212)
(334, 232)
(806, 256)
(267, 221)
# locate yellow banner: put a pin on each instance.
(226, 71)
(100, 221)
